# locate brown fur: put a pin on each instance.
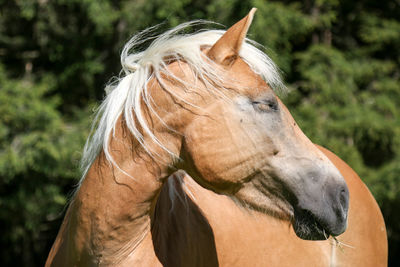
(232, 148)
(244, 238)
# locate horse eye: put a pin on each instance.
(265, 105)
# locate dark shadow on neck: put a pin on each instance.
(181, 233)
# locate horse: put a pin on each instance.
(192, 151)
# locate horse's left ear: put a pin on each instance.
(226, 49)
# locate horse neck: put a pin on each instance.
(112, 209)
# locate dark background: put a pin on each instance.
(340, 60)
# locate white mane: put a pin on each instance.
(125, 96)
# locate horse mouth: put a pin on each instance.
(307, 227)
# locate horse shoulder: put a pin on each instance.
(365, 239)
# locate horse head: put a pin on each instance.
(249, 147)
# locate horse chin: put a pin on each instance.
(307, 227)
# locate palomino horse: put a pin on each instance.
(203, 103)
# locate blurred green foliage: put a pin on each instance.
(340, 60)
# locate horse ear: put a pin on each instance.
(226, 49)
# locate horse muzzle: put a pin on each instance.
(318, 219)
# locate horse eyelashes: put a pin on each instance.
(266, 105)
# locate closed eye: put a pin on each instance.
(266, 105)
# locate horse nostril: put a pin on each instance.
(344, 200)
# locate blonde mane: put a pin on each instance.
(138, 67)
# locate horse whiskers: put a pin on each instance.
(340, 243)
(325, 235)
